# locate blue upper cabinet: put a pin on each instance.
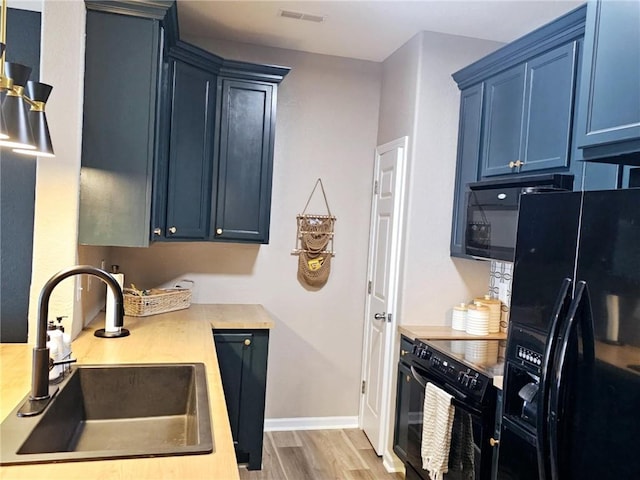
(548, 108)
(528, 114)
(609, 96)
(188, 197)
(470, 128)
(503, 121)
(245, 158)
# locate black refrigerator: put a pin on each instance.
(571, 399)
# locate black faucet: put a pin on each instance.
(41, 392)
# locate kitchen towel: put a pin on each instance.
(462, 453)
(437, 421)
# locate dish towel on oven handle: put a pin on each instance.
(437, 421)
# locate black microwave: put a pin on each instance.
(492, 212)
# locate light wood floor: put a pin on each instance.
(318, 455)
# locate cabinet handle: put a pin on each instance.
(517, 163)
(403, 352)
(157, 231)
(218, 231)
(408, 379)
(173, 229)
(247, 342)
(493, 442)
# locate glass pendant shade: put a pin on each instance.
(39, 92)
(15, 110)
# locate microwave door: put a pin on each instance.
(492, 218)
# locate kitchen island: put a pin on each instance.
(181, 336)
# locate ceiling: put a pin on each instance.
(368, 30)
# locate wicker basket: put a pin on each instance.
(158, 301)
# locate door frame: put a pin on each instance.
(395, 277)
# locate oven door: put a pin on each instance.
(468, 434)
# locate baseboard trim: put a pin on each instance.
(392, 463)
(309, 423)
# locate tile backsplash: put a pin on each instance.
(500, 277)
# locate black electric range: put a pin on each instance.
(465, 369)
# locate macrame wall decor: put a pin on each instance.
(314, 243)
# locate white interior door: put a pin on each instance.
(384, 246)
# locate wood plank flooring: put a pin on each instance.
(319, 455)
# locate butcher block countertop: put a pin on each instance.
(428, 332)
(181, 336)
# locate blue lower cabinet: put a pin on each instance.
(242, 357)
(609, 97)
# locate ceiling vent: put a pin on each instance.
(301, 16)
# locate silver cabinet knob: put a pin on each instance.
(218, 231)
(157, 231)
(173, 229)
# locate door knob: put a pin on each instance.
(173, 229)
(157, 231)
(218, 231)
(493, 442)
(247, 342)
(380, 316)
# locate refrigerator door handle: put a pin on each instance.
(558, 315)
(579, 312)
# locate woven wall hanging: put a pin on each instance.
(314, 243)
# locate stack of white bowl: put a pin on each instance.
(459, 317)
(492, 352)
(476, 351)
(457, 346)
(477, 319)
(495, 311)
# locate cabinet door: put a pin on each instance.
(548, 109)
(242, 357)
(503, 121)
(467, 161)
(247, 114)
(401, 428)
(609, 100)
(118, 132)
(189, 176)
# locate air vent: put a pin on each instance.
(301, 16)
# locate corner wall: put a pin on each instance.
(420, 99)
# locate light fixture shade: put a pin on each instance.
(4, 135)
(39, 92)
(41, 136)
(15, 110)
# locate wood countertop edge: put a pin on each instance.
(180, 336)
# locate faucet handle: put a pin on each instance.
(53, 363)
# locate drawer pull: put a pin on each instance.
(173, 229)
(247, 342)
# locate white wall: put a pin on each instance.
(420, 99)
(57, 182)
(326, 127)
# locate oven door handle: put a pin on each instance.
(451, 390)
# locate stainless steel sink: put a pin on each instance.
(115, 411)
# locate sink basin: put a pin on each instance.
(115, 411)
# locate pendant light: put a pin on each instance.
(23, 123)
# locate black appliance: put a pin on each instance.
(572, 376)
(469, 379)
(492, 212)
